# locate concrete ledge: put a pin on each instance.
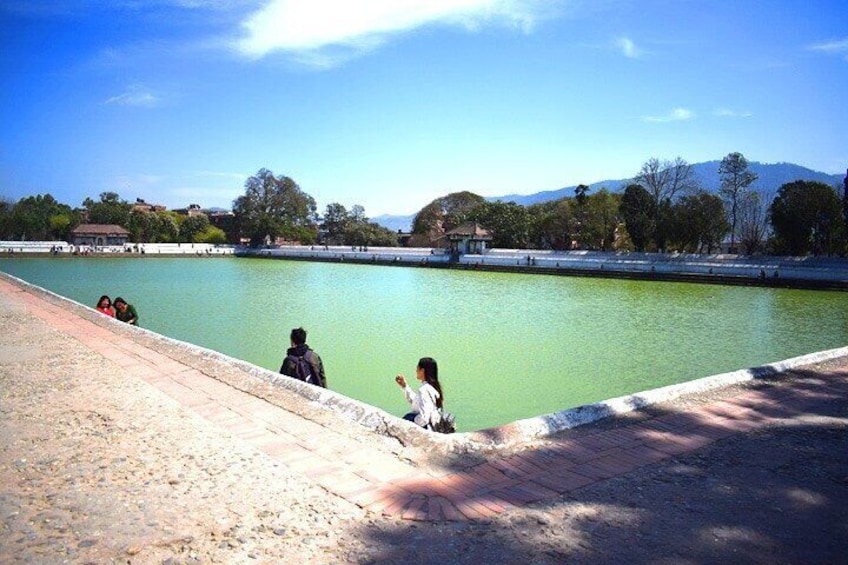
(215, 365)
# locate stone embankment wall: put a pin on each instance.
(806, 272)
(760, 270)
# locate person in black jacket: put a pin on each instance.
(301, 362)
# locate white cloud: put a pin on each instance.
(135, 95)
(310, 26)
(675, 115)
(728, 113)
(835, 47)
(628, 48)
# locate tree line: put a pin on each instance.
(275, 207)
(661, 209)
(272, 208)
(43, 218)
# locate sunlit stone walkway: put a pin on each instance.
(371, 472)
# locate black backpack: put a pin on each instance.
(301, 369)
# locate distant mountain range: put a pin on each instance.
(770, 177)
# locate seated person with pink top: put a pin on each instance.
(104, 306)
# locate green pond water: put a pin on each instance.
(509, 346)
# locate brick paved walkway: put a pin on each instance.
(381, 482)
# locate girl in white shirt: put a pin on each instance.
(428, 400)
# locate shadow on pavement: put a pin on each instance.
(775, 494)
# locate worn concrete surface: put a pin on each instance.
(118, 447)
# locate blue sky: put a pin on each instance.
(390, 104)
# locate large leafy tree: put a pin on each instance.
(600, 220)
(336, 219)
(110, 209)
(6, 219)
(638, 209)
(735, 180)
(357, 214)
(445, 213)
(353, 227)
(40, 218)
(211, 234)
(156, 227)
(509, 223)
(192, 226)
(62, 223)
(272, 207)
(167, 229)
(700, 222)
(143, 226)
(369, 233)
(550, 224)
(30, 218)
(807, 218)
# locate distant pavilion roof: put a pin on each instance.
(99, 229)
(471, 230)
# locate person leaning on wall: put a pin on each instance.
(104, 306)
(125, 312)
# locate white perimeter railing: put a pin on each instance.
(749, 267)
(142, 248)
(830, 269)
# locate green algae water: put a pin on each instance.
(509, 346)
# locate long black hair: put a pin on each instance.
(431, 376)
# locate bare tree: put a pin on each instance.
(753, 221)
(666, 179)
(735, 180)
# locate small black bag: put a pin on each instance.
(446, 423)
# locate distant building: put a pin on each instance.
(99, 235)
(225, 221)
(190, 210)
(142, 206)
(404, 238)
(468, 238)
